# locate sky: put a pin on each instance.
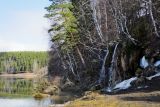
(23, 26)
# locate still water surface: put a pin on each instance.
(15, 92)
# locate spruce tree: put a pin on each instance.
(64, 29)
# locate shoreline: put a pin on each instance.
(60, 105)
(136, 99)
(19, 75)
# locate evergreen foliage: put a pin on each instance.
(64, 29)
(17, 62)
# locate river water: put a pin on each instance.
(16, 92)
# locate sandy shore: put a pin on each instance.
(20, 75)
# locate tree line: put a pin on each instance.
(18, 62)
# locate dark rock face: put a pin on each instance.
(129, 54)
(149, 71)
(55, 67)
(140, 82)
(143, 84)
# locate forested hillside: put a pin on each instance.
(103, 42)
(17, 62)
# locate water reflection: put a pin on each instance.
(15, 87)
(25, 102)
(15, 92)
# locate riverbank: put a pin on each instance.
(20, 75)
(138, 99)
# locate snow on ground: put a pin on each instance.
(125, 84)
(157, 63)
(144, 63)
(109, 89)
(151, 77)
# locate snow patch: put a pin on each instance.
(125, 84)
(144, 63)
(140, 87)
(146, 86)
(109, 89)
(157, 63)
(151, 77)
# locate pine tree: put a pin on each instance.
(64, 29)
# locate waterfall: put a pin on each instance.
(112, 77)
(98, 26)
(103, 70)
(112, 70)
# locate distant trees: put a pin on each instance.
(16, 62)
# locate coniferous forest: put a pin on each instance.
(18, 62)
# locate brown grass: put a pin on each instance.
(97, 100)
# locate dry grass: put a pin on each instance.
(97, 100)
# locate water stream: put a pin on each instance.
(103, 70)
(112, 70)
